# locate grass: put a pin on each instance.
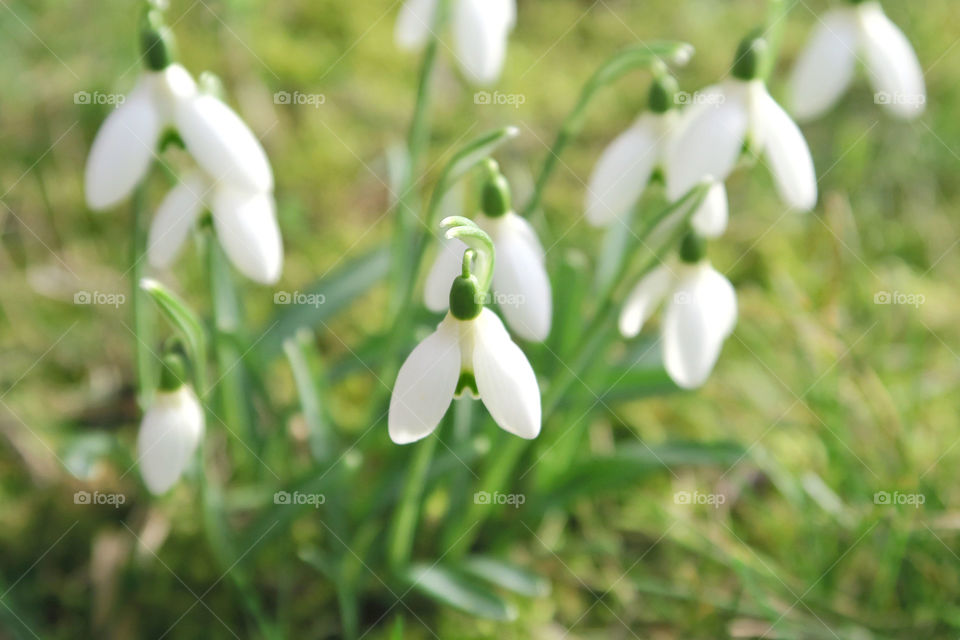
(832, 397)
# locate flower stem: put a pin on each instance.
(408, 510)
(142, 313)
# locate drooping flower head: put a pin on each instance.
(480, 29)
(738, 113)
(701, 312)
(844, 35)
(521, 285)
(470, 352)
(171, 429)
(627, 165)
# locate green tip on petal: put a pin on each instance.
(156, 41)
(466, 301)
(496, 199)
(663, 93)
(693, 247)
(750, 56)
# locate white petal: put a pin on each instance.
(247, 228)
(222, 144)
(894, 69)
(699, 318)
(413, 23)
(643, 299)
(169, 435)
(425, 385)
(520, 279)
(174, 218)
(788, 155)
(622, 173)
(709, 140)
(825, 68)
(505, 379)
(710, 219)
(123, 148)
(481, 28)
(446, 267)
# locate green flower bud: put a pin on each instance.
(693, 247)
(173, 372)
(466, 303)
(751, 56)
(156, 41)
(663, 93)
(495, 199)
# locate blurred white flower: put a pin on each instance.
(623, 172)
(169, 435)
(480, 28)
(245, 222)
(521, 285)
(826, 67)
(474, 355)
(713, 133)
(214, 135)
(701, 311)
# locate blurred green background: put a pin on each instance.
(830, 397)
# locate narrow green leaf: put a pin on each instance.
(337, 289)
(301, 351)
(184, 320)
(455, 590)
(506, 576)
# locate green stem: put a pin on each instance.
(408, 510)
(142, 313)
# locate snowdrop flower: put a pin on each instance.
(470, 352)
(170, 431)
(627, 165)
(245, 221)
(701, 311)
(520, 282)
(480, 28)
(826, 66)
(739, 112)
(166, 97)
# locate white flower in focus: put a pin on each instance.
(826, 66)
(245, 222)
(623, 171)
(480, 27)
(739, 112)
(521, 285)
(476, 351)
(701, 311)
(214, 135)
(169, 433)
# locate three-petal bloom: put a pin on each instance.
(826, 66)
(626, 166)
(481, 29)
(479, 347)
(169, 435)
(235, 180)
(520, 282)
(738, 112)
(701, 312)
